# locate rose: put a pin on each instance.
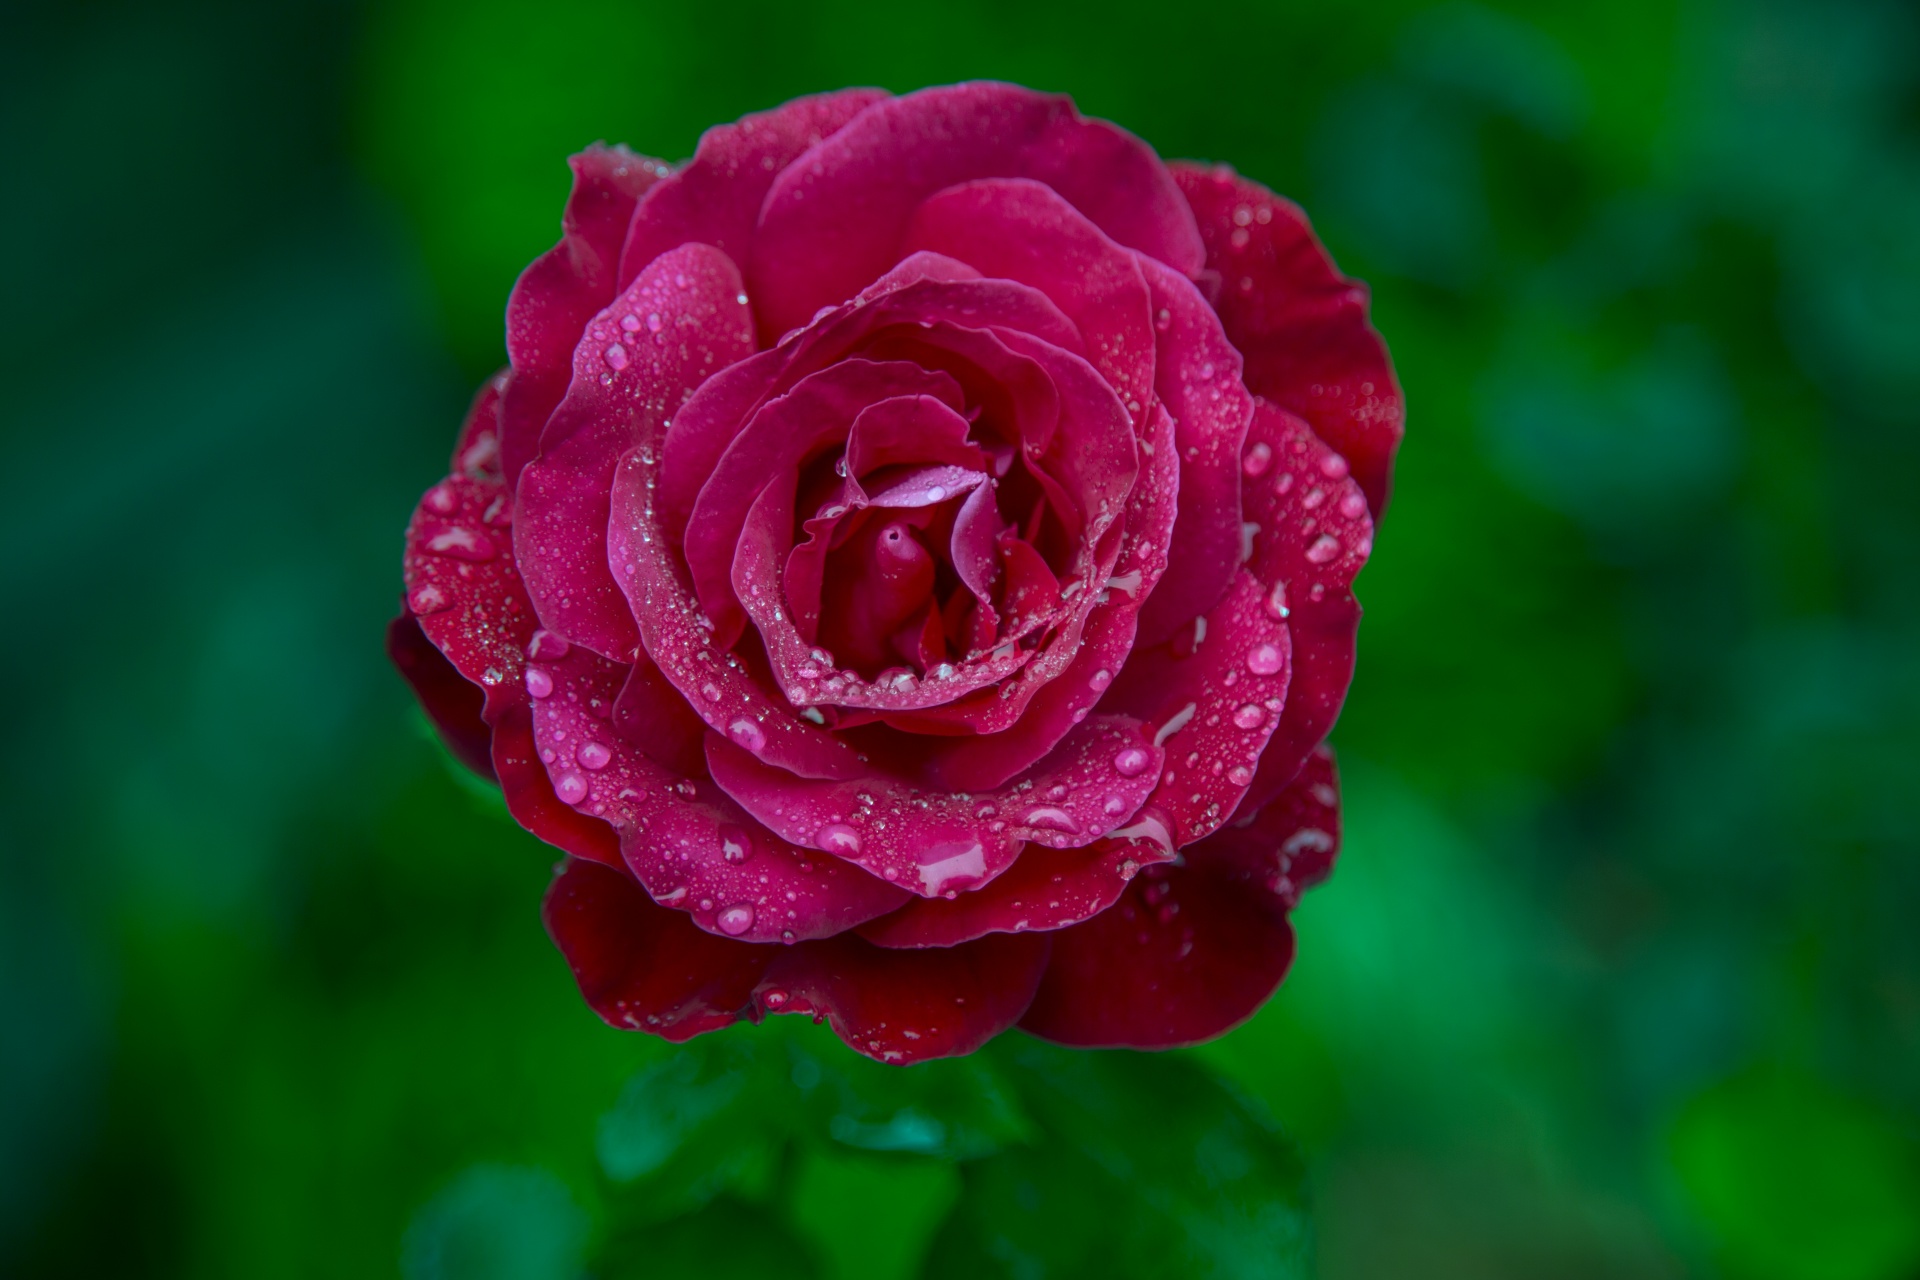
(906, 564)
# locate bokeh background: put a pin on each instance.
(1619, 974)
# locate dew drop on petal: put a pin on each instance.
(593, 755)
(616, 356)
(747, 733)
(427, 598)
(1333, 467)
(1353, 506)
(570, 787)
(1258, 458)
(1100, 680)
(1131, 762)
(736, 920)
(539, 683)
(1250, 716)
(710, 691)
(1324, 548)
(1265, 658)
(776, 999)
(838, 838)
(547, 647)
(1239, 775)
(1048, 818)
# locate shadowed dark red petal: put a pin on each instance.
(529, 792)
(556, 296)
(450, 700)
(908, 1006)
(834, 219)
(1191, 951)
(628, 377)
(1019, 229)
(1197, 377)
(1314, 536)
(641, 966)
(716, 198)
(1044, 889)
(1301, 325)
(693, 848)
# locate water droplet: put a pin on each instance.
(986, 811)
(1114, 806)
(710, 691)
(440, 498)
(1129, 868)
(1100, 680)
(735, 844)
(1239, 775)
(1277, 601)
(462, 544)
(547, 647)
(1258, 458)
(1057, 792)
(616, 356)
(1163, 319)
(593, 755)
(630, 323)
(570, 787)
(775, 999)
(838, 838)
(427, 598)
(1265, 658)
(747, 733)
(1333, 467)
(1324, 548)
(1353, 506)
(1131, 762)
(539, 683)
(1048, 818)
(1250, 716)
(736, 920)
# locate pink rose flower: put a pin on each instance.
(906, 565)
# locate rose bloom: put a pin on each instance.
(906, 566)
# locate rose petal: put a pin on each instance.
(1191, 951)
(530, 796)
(715, 199)
(1315, 534)
(472, 606)
(641, 966)
(908, 1006)
(834, 219)
(1044, 889)
(624, 387)
(1197, 377)
(1019, 229)
(933, 841)
(450, 700)
(686, 841)
(812, 417)
(1213, 709)
(1301, 325)
(561, 290)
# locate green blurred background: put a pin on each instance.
(1619, 974)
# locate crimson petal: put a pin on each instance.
(641, 966)
(450, 700)
(628, 377)
(1301, 325)
(908, 1006)
(835, 218)
(1191, 951)
(562, 288)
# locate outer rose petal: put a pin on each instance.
(530, 796)
(692, 847)
(450, 700)
(1313, 536)
(1044, 889)
(1189, 951)
(642, 966)
(716, 198)
(562, 289)
(1301, 325)
(1018, 229)
(1197, 377)
(835, 217)
(908, 1006)
(627, 378)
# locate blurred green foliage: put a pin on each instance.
(1618, 975)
